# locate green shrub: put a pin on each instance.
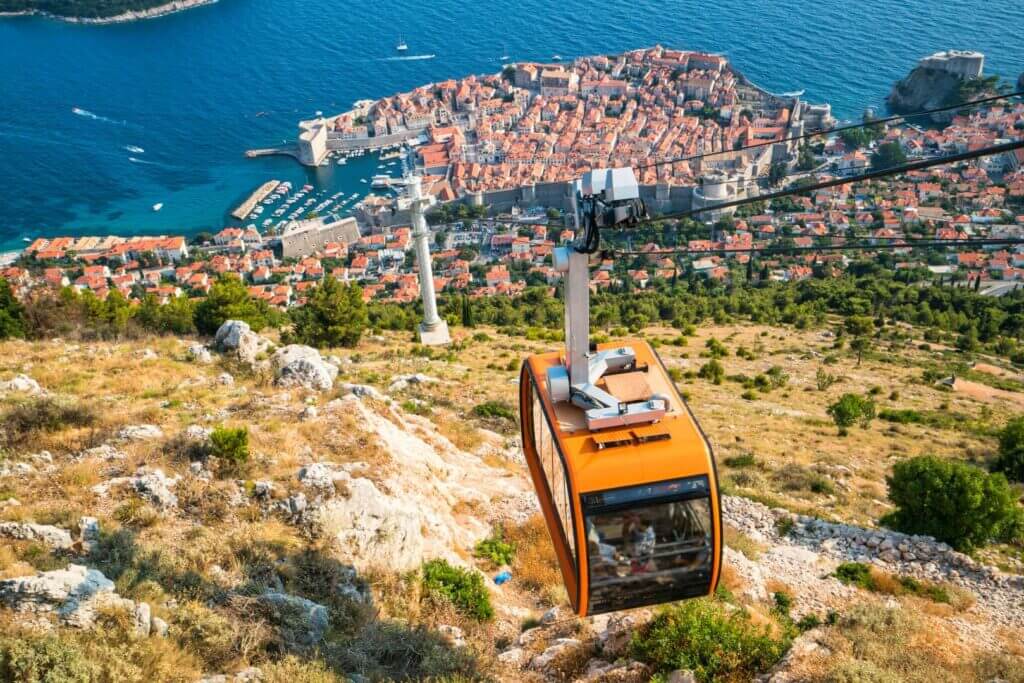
(229, 299)
(496, 409)
(231, 449)
(12, 313)
(334, 315)
(1010, 460)
(955, 502)
(48, 659)
(851, 409)
(749, 395)
(715, 348)
(855, 574)
(713, 371)
(496, 549)
(745, 460)
(464, 588)
(700, 635)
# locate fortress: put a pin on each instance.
(962, 63)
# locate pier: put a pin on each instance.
(286, 150)
(255, 198)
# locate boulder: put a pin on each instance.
(89, 528)
(73, 594)
(296, 365)
(236, 337)
(142, 618)
(400, 382)
(306, 621)
(21, 384)
(51, 536)
(103, 452)
(321, 477)
(140, 433)
(198, 353)
(225, 379)
(513, 657)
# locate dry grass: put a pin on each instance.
(737, 540)
(535, 566)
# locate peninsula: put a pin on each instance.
(97, 11)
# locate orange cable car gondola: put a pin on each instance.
(624, 475)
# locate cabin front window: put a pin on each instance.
(648, 544)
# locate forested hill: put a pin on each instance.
(83, 9)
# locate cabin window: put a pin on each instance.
(554, 472)
(648, 544)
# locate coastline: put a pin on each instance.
(163, 10)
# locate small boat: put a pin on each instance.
(158, 206)
(135, 149)
(556, 58)
(401, 47)
(25, 239)
(504, 54)
(362, 180)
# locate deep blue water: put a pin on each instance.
(187, 87)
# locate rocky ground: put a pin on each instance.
(366, 463)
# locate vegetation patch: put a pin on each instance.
(495, 409)
(464, 588)
(714, 643)
(877, 581)
(955, 502)
(496, 549)
(25, 419)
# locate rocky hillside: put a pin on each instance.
(243, 511)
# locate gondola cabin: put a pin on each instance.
(625, 478)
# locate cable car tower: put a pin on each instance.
(624, 475)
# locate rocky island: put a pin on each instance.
(98, 11)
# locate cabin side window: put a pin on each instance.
(554, 472)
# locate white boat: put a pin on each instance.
(158, 206)
(25, 239)
(504, 53)
(401, 47)
(134, 149)
(362, 180)
(556, 58)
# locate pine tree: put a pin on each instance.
(12, 313)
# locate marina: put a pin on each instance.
(246, 207)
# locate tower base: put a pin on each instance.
(435, 335)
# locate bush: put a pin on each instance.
(745, 460)
(49, 659)
(12, 313)
(334, 315)
(713, 371)
(955, 502)
(1010, 460)
(851, 409)
(496, 549)
(229, 300)
(462, 587)
(497, 409)
(715, 348)
(231, 448)
(700, 635)
(44, 415)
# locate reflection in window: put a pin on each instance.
(554, 472)
(647, 554)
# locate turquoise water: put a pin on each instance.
(187, 88)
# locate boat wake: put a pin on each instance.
(408, 58)
(136, 160)
(96, 117)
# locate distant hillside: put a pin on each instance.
(99, 11)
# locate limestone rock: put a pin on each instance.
(21, 384)
(452, 634)
(400, 382)
(307, 620)
(302, 366)
(159, 627)
(237, 338)
(225, 379)
(513, 657)
(73, 594)
(374, 530)
(198, 353)
(142, 617)
(363, 391)
(143, 432)
(681, 676)
(52, 536)
(560, 648)
(89, 528)
(156, 487)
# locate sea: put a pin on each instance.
(194, 90)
